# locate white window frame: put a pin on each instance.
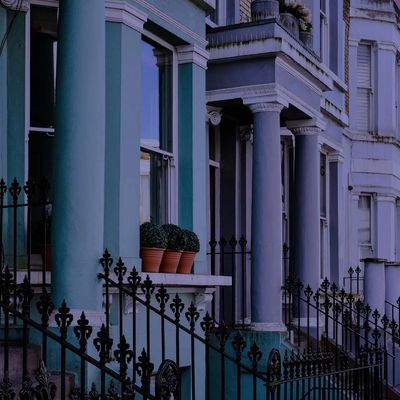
(371, 121)
(369, 245)
(172, 184)
(220, 7)
(324, 253)
(324, 32)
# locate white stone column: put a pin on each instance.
(374, 283)
(307, 206)
(266, 220)
(385, 227)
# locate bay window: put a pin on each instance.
(156, 132)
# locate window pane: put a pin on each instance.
(43, 66)
(364, 220)
(154, 185)
(156, 97)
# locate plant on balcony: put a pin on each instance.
(175, 244)
(153, 242)
(303, 16)
(191, 247)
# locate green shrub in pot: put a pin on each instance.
(175, 238)
(175, 244)
(153, 241)
(152, 235)
(190, 248)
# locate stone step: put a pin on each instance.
(34, 356)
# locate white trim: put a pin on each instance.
(192, 53)
(123, 12)
(21, 5)
(268, 327)
(182, 28)
(265, 93)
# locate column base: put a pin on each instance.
(268, 327)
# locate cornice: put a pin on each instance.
(125, 13)
(192, 54)
(306, 130)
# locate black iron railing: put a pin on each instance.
(231, 258)
(333, 318)
(113, 381)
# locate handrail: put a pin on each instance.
(73, 349)
(124, 289)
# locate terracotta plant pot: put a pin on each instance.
(46, 257)
(151, 258)
(170, 261)
(186, 262)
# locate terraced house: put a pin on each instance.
(261, 135)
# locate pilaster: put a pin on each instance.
(193, 152)
(122, 172)
(385, 227)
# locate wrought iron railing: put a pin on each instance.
(334, 318)
(232, 258)
(62, 340)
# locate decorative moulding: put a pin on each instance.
(214, 115)
(22, 5)
(123, 12)
(192, 54)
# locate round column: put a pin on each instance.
(307, 207)
(374, 283)
(78, 212)
(392, 294)
(266, 218)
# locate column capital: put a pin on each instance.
(192, 53)
(214, 115)
(306, 130)
(265, 107)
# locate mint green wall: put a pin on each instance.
(193, 157)
(185, 12)
(122, 174)
(3, 99)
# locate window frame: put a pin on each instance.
(324, 32)
(369, 245)
(324, 253)
(172, 184)
(370, 88)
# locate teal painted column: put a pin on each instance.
(78, 215)
(122, 176)
(3, 99)
(266, 219)
(15, 124)
(193, 157)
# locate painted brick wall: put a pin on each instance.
(245, 15)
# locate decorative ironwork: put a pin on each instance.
(7, 391)
(145, 368)
(45, 390)
(103, 344)
(82, 332)
(63, 319)
(168, 381)
(124, 356)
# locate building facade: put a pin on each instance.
(230, 118)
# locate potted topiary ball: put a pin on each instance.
(174, 249)
(191, 247)
(153, 242)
